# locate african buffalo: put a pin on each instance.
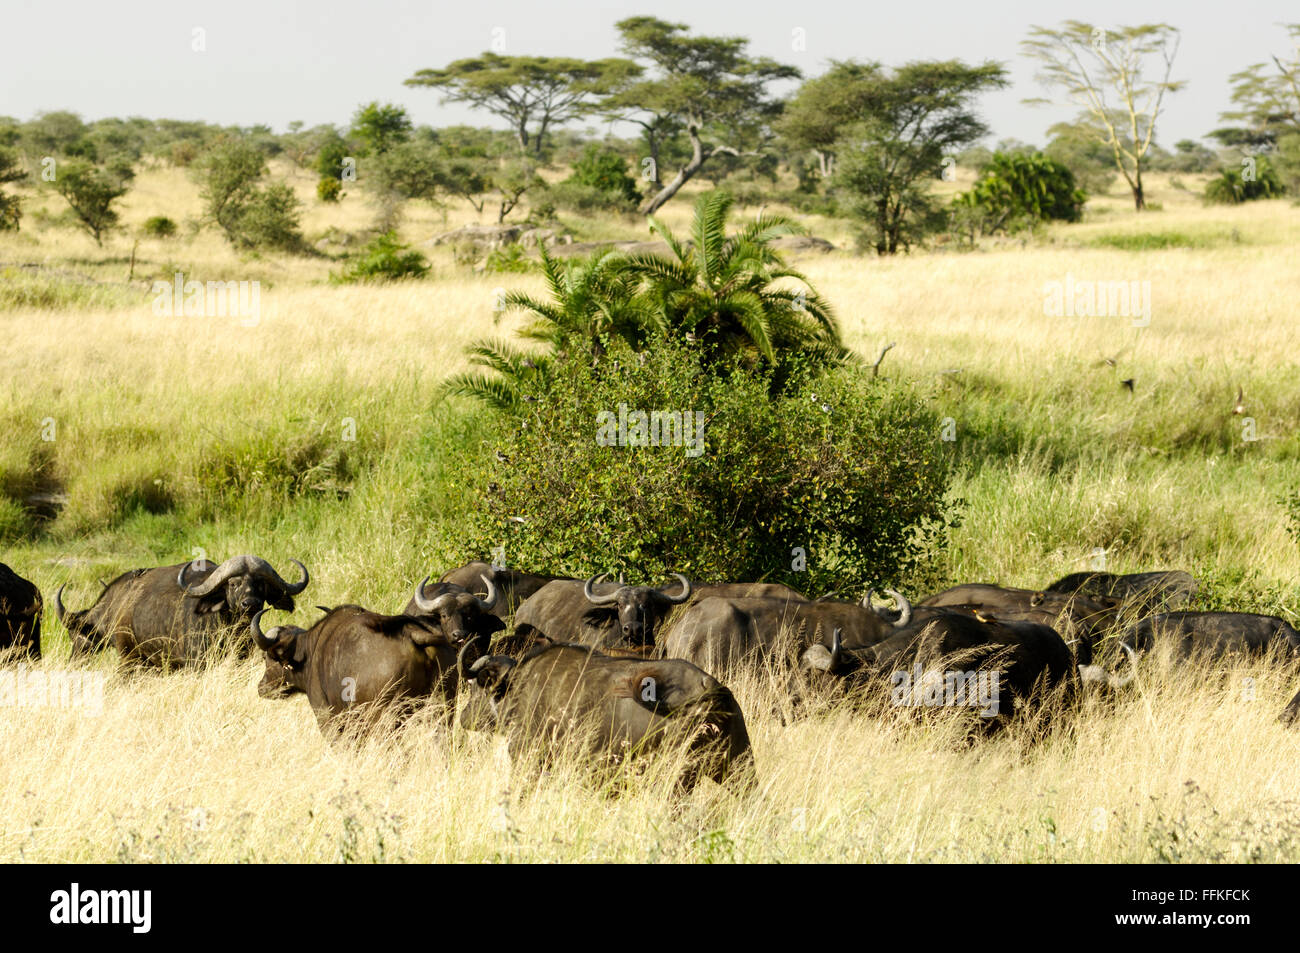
(1291, 714)
(175, 615)
(514, 586)
(718, 633)
(457, 612)
(610, 708)
(1143, 591)
(20, 613)
(1212, 635)
(957, 658)
(622, 617)
(1080, 620)
(352, 657)
(603, 616)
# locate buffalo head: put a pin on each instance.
(241, 586)
(639, 608)
(285, 657)
(460, 614)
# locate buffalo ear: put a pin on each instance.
(492, 625)
(492, 674)
(212, 602)
(289, 648)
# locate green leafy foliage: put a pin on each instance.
(842, 466)
(1019, 190)
(251, 216)
(385, 259)
(90, 192)
(1255, 179)
(329, 188)
(158, 226)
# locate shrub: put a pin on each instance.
(606, 170)
(842, 466)
(90, 192)
(511, 259)
(1234, 186)
(385, 259)
(329, 189)
(158, 226)
(1018, 190)
(229, 174)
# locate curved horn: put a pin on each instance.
(59, 610)
(866, 601)
(1119, 681)
(488, 604)
(685, 593)
(595, 599)
(904, 608)
(234, 566)
(465, 673)
(292, 589)
(837, 646)
(423, 602)
(263, 642)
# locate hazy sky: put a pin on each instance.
(274, 61)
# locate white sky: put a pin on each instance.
(274, 61)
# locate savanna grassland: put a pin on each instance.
(175, 436)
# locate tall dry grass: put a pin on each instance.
(176, 434)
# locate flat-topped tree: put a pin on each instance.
(1266, 101)
(1107, 73)
(706, 85)
(532, 93)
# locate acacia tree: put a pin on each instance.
(1105, 71)
(532, 93)
(1267, 109)
(381, 126)
(908, 121)
(706, 85)
(11, 170)
(90, 192)
(815, 117)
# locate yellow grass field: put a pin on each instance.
(1186, 765)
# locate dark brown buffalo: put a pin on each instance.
(1139, 591)
(718, 633)
(20, 613)
(1212, 635)
(972, 660)
(513, 585)
(1291, 714)
(621, 617)
(457, 612)
(602, 615)
(609, 708)
(356, 660)
(1080, 620)
(177, 615)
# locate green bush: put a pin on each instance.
(229, 174)
(509, 259)
(384, 259)
(846, 468)
(271, 219)
(1232, 187)
(158, 226)
(1016, 191)
(599, 182)
(329, 189)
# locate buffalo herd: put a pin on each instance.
(618, 669)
